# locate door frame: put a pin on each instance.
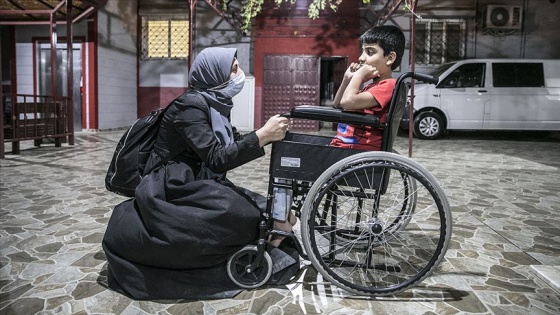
(86, 70)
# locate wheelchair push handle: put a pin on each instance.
(415, 75)
(425, 78)
(418, 76)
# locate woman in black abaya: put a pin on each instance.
(172, 241)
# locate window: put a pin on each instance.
(439, 41)
(518, 74)
(467, 75)
(165, 37)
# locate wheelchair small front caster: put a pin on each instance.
(240, 272)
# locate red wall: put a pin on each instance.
(289, 31)
(93, 109)
(150, 98)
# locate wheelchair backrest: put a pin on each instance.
(394, 115)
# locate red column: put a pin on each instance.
(70, 71)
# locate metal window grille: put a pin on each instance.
(165, 37)
(439, 41)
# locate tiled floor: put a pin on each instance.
(503, 259)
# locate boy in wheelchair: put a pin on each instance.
(382, 50)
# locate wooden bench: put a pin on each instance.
(36, 121)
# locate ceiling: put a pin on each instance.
(13, 12)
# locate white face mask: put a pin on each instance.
(236, 84)
(233, 86)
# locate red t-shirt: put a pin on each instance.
(366, 137)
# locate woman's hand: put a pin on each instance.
(274, 130)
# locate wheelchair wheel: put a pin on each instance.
(239, 272)
(376, 223)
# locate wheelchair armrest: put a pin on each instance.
(330, 114)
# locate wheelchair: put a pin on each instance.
(373, 223)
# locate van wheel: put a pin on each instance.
(428, 125)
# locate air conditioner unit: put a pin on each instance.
(503, 17)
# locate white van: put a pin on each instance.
(488, 94)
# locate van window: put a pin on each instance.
(467, 75)
(441, 69)
(518, 74)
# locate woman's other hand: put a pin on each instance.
(274, 130)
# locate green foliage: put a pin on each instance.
(251, 8)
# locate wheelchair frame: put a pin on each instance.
(364, 230)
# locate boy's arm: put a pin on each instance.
(348, 75)
(340, 92)
(352, 98)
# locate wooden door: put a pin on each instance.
(288, 81)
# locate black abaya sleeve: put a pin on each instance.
(193, 124)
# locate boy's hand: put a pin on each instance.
(362, 70)
(367, 72)
(351, 70)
